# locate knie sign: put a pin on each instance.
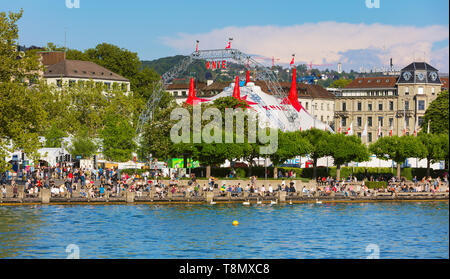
(213, 65)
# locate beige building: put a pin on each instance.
(387, 101)
(60, 71)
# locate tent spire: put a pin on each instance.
(237, 91)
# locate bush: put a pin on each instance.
(375, 184)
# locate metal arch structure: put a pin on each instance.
(262, 73)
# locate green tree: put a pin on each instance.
(345, 149)
(318, 139)
(436, 147)
(398, 149)
(13, 64)
(290, 145)
(83, 145)
(438, 114)
(340, 83)
(54, 137)
(116, 59)
(117, 138)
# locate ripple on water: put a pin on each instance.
(401, 230)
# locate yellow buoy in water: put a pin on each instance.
(235, 223)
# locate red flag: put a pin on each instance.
(247, 78)
(229, 45)
(237, 91)
(292, 62)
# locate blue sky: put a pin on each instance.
(156, 29)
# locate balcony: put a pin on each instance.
(401, 113)
(340, 113)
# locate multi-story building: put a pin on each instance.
(387, 101)
(60, 71)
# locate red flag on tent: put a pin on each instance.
(293, 96)
(192, 99)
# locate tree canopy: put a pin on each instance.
(438, 115)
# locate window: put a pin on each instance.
(369, 106)
(344, 122)
(391, 105)
(359, 106)
(321, 106)
(321, 118)
(432, 91)
(420, 91)
(359, 121)
(359, 135)
(307, 107)
(59, 82)
(407, 91)
(380, 106)
(183, 93)
(420, 120)
(328, 107)
(391, 122)
(108, 85)
(344, 106)
(406, 105)
(71, 83)
(421, 105)
(369, 137)
(380, 120)
(124, 87)
(407, 121)
(369, 121)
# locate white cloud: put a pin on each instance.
(327, 42)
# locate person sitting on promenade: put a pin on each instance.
(91, 193)
(247, 188)
(292, 188)
(287, 189)
(4, 191)
(305, 191)
(101, 191)
(270, 190)
(262, 191)
(54, 191)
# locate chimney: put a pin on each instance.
(52, 57)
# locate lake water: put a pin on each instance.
(301, 231)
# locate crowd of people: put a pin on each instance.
(91, 183)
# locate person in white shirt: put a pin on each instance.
(270, 189)
(61, 190)
(262, 190)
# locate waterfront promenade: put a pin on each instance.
(273, 192)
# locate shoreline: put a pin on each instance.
(442, 197)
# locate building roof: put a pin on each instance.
(81, 69)
(185, 86)
(373, 82)
(419, 66)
